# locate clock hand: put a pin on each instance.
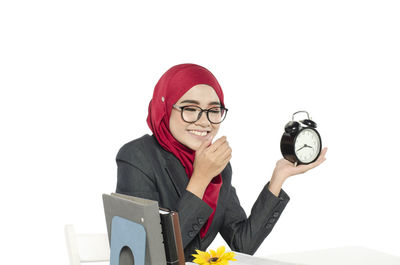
(301, 147)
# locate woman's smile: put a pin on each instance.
(197, 133)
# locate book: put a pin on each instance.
(172, 237)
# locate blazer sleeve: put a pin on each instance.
(246, 234)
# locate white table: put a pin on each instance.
(339, 256)
(332, 256)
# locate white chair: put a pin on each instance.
(86, 247)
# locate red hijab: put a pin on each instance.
(170, 88)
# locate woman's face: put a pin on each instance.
(205, 97)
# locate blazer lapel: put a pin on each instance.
(177, 174)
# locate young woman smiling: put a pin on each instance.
(180, 167)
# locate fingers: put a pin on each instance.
(226, 160)
(206, 143)
(320, 159)
(225, 152)
(315, 164)
(323, 153)
(217, 144)
(221, 150)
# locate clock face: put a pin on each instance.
(307, 145)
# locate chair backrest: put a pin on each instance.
(86, 247)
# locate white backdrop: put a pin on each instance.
(76, 78)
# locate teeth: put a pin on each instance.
(199, 133)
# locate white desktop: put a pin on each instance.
(353, 255)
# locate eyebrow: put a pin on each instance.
(198, 103)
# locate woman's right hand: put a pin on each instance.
(209, 161)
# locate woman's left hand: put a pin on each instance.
(285, 169)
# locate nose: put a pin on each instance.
(203, 121)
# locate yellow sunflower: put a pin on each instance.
(213, 258)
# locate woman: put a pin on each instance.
(183, 170)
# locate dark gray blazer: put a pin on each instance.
(146, 170)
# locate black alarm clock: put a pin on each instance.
(301, 142)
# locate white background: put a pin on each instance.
(76, 78)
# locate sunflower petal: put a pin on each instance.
(223, 262)
(198, 251)
(198, 261)
(220, 251)
(204, 255)
(213, 253)
(228, 255)
(201, 261)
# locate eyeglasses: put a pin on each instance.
(192, 114)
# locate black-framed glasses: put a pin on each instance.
(192, 114)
